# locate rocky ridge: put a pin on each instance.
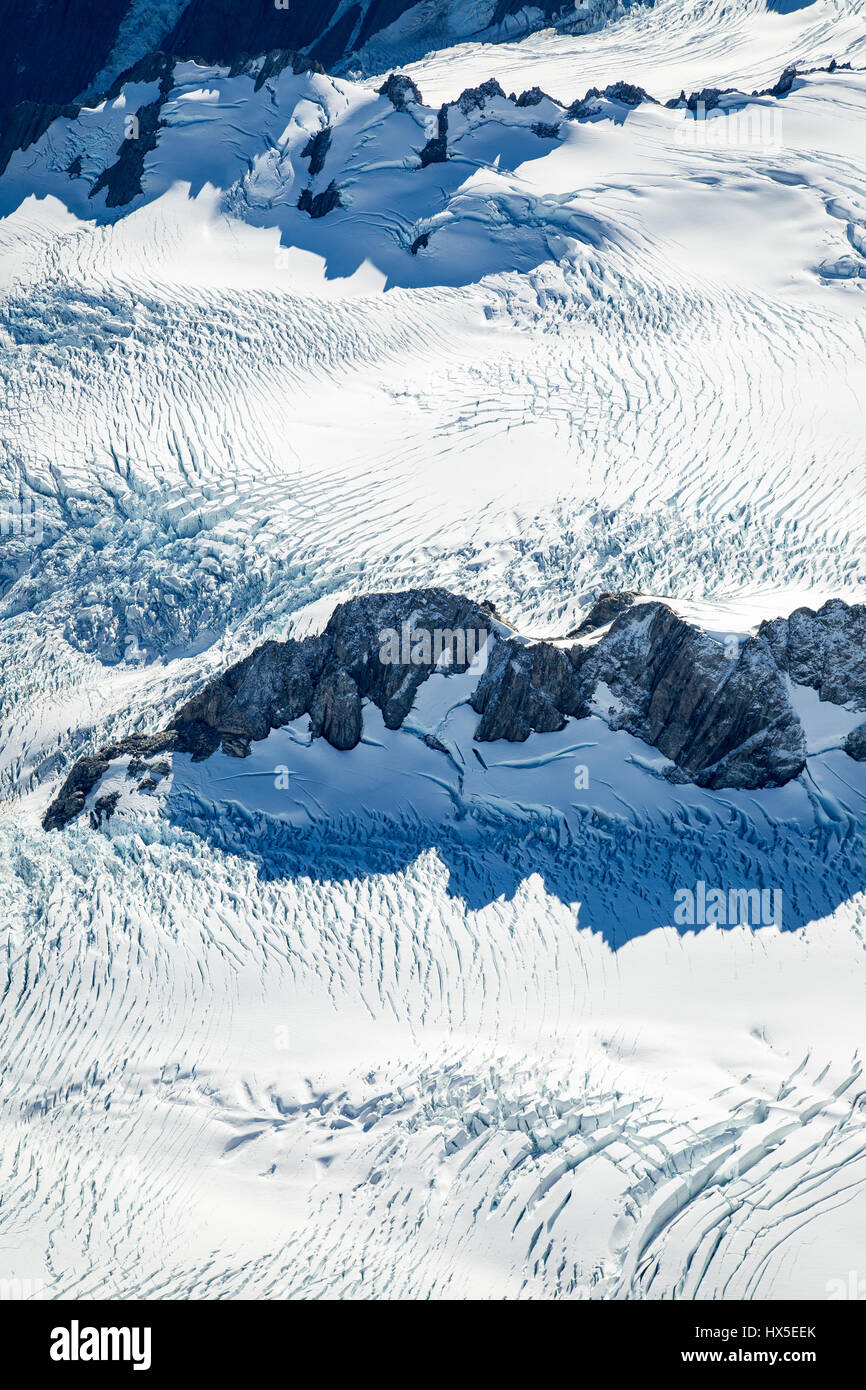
(121, 178)
(722, 714)
(58, 53)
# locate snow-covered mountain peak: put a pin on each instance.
(729, 713)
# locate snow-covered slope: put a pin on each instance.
(56, 56)
(637, 391)
(666, 46)
(395, 1021)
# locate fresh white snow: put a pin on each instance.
(417, 1025)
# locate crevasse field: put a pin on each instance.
(387, 1032)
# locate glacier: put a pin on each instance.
(393, 1021)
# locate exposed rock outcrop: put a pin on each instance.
(122, 180)
(708, 98)
(88, 771)
(526, 688)
(533, 96)
(378, 647)
(785, 83)
(356, 629)
(400, 91)
(475, 98)
(272, 686)
(855, 743)
(623, 92)
(277, 60)
(825, 650)
(606, 607)
(316, 150)
(436, 149)
(722, 716)
(27, 124)
(335, 712)
(103, 809)
(52, 53)
(56, 52)
(320, 204)
(723, 722)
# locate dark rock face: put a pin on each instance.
(400, 91)
(27, 124)
(623, 92)
(475, 98)
(380, 647)
(275, 61)
(436, 149)
(122, 181)
(528, 688)
(336, 42)
(218, 30)
(855, 744)
(628, 94)
(606, 607)
(825, 650)
(84, 776)
(328, 676)
(786, 82)
(754, 737)
(723, 719)
(709, 98)
(103, 808)
(472, 99)
(52, 52)
(153, 67)
(724, 723)
(533, 96)
(355, 634)
(551, 8)
(316, 150)
(271, 687)
(335, 713)
(55, 51)
(320, 204)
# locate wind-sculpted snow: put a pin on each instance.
(439, 1015)
(235, 1086)
(171, 430)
